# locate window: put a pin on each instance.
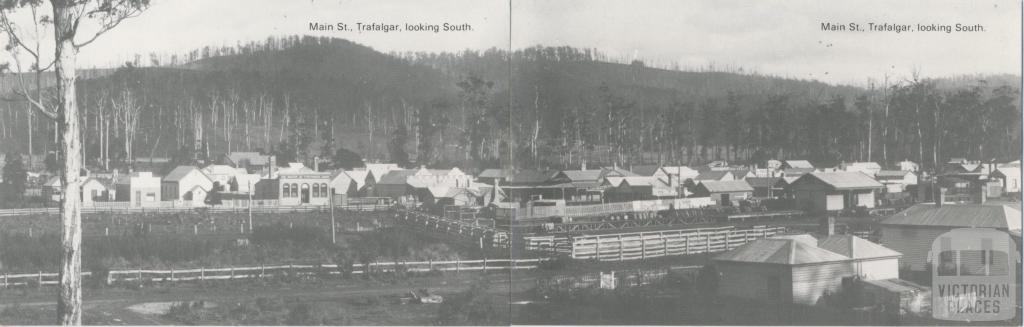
(295, 190)
(285, 193)
(324, 190)
(316, 190)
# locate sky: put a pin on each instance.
(778, 37)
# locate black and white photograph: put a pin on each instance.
(511, 162)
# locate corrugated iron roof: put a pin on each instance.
(780, 251)
(959, 215)
(531, 176)
(178, 173)
(842, 180)
(897, 285)
(644, 170)
(762, 181)
(493, 173)
(856, 247)
(726, 186)
(799, 164)
(711, 175)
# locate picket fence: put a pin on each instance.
(229, 273)
(603, 209)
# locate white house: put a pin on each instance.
(94, 190)
(675, 175)
(909, 166)
(896, 181)
(178, 183)
(140, 189)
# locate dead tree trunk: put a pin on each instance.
(69, 304)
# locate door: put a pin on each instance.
(138, 198)
(725, 200)
(304, 194)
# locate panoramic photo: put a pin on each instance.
(510, 162)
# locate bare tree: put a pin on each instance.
(68, 16)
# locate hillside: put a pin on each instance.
(541, 106)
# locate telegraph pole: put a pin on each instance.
(333, 229)
(250, 206)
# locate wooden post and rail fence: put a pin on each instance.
(261, 271)
(644, 245)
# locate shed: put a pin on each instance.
(896, 181)
(181, 180)
(724, 192)
(763, 186)
(912, 231)
(1009, 178)
(833, 191)
(786, 270)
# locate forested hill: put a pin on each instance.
(301, 97)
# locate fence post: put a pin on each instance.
(202, 273)
(5, 280)
(707, 237)
(430, 265)
(232, 269)
(643, 247)
(106, 231)
(263, 270)
(140, 276)
(457, 264)
(195, 229)
(172, 274)
(110, 275)
(621, 246)
(40, 278)
(485, 265)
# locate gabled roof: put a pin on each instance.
(856, 247)
(841, 180)
(803, 164)
(711, 175)
(591, 175)
(679, 170)
(358, 176)
(53, 182)
(1000, 216)
(636, 181)
(294, 168)
(891, 173)
(1007, 171)
(180, 172)
(103, 182)
(379, 169)
(762, 181)
(806, 238)
(222, 170)
(726, 186)
(780, 251)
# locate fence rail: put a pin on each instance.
(643, 245)
(222, 273)
(214, 209)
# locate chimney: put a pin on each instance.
(273, 166)
(316, 163)
(583, 164)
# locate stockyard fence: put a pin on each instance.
(461, 229)
(262, 271)
(125, 208)
(643, 245)
(604, 209)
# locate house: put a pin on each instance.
(763, 186)
(139, 189)
(223, 174)
(379, 169)
(244, 183)
(820, 192)
(633, 188)
(797, 164)
(644, 170)
(526, 184)
(913, 230)
(252, 162)
(96, 190)
(773, 164)
(178, 183)
(585, 186)
(303, 186)
(352, 183)
(868, 168)
(1009, 178)
(896, 181)
(723, 193)
(797, 271)
(394, 184)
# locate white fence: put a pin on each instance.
(228, 273)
